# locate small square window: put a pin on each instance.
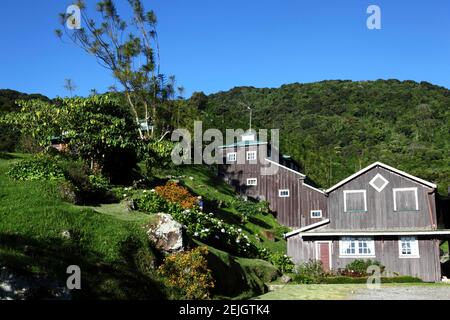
(251, 155)
(316, 213)
(252, 181)
(231, 157)
(408, 247)
(283, 193)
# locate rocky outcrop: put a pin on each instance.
(167, 234)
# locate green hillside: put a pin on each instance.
(334, 128)
(41, 235)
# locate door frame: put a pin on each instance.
(317, 244)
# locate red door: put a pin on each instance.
(324, 255)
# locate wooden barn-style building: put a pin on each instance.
(378, 213)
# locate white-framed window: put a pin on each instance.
(357, 247)
(355, 201)
(283, 193)
(231, 157)
(378, 182)
(405, 199)
(251, 155)
(316, 213)
(408, 247)
(252, 181)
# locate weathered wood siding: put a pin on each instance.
(292, 211)
(427, 267)
(380, 205)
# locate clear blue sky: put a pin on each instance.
(213, 45)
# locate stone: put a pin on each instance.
(65, 235)
(130, 205)
(286, 279)
(167, 234)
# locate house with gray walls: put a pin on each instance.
(379, 213)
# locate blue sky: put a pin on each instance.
(213, 45)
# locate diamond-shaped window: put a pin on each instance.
(378, 182)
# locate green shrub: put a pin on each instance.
(281, 261)
(39, 167)
(359, 267)
(249, 208)
(309, 272)
(151, 202)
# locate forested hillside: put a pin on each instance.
(334, 128)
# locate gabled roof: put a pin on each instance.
(284, 167)
(306, 228)
(375, 164)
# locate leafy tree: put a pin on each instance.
(130, 49)
(95, 128)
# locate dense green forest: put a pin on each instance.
(333, 128)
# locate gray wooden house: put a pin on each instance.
(378, 213)
(294, 202)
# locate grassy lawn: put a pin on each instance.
(330, 291)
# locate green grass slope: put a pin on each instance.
(109, 244)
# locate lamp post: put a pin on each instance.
(250, 117)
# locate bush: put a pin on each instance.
(279, 260)
(151, 202)
(158, 158)
(359, 267)
(89, 188)
(248, 208)
(309, 272)
(189, 272)
(39, 167)
(177, 194)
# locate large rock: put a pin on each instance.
(167, 234)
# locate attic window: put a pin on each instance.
(355, 201)
(405, 199)
(252, 181)
(283, 193)
(378, 182)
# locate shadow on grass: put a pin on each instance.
(49, 259)
(8, 156)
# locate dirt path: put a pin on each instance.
(403, 293)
